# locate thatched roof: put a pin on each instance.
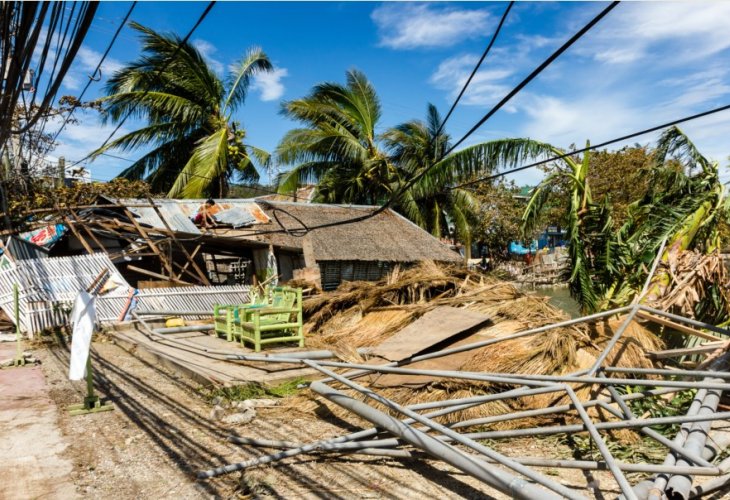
(386, 237)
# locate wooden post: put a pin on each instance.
(151, 243)
(61, 175)
(191, 259)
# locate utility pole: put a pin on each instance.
(61, 176)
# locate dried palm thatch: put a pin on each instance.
(698, 286)
(361, 314)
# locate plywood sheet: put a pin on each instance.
(434, 327)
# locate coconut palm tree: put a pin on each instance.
(683, 205)
(337, 148)
(197, 149)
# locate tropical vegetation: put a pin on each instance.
(197, 149)
(681, 208)
(338, 148)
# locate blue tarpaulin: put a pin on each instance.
(519, 249)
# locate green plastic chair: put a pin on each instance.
(280, 321)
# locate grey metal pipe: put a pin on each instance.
(678, 487)
(170, 312)
(624, 424)
(688, 321)
(484, 343)
(696, 459)
(493, 476)
(598, 440)
(511, 378)
(671, 373)
(183, 329)
(610, 345)
(719, 483)
(660, 481)
(556, 409)
(317, 444)
(376, 447)
(488, 452)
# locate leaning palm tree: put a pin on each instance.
(197, 149)
(683, 205)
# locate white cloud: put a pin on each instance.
(208, 50)
(409, 26)
(635, 30)
(269, 84)
(486, 86)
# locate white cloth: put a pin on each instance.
(83, 320)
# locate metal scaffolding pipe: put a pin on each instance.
(660, 481)
(624, 424)
(523, 378)
(493, 476)
(317, 444)
(670, 373)
(170, 312)
(678, 487)
(484, 343)
(183, 329)
(488, 452)
(611, 343)
(598, 440)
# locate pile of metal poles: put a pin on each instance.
(405, 429)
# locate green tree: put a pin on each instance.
(499, 217)
(337, 148)
(683, 203)
(197, 149)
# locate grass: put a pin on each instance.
(255, 391)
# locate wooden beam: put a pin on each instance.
(687, 330)
(151, 243)
(81, 239)
(201, 274)
(156, 275)
(673, 353)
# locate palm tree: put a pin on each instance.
(682, 206)
(338, 147)
(416, 146)
(339, 150)
(197, 149)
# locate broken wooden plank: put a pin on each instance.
(673, 353)
(434, 327)
(688, 330)
(156, 275)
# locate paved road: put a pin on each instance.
(31, 444)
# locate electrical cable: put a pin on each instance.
(476, 68)
(88, 84)
(159, 73)
(596, 146)
(577, 36)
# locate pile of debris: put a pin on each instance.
(456, 358)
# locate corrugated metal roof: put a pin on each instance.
(20, 249)
(179, 213)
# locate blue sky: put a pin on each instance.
(644, 64)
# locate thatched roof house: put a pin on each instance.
(253, 237)
(362, 250)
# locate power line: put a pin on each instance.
(596, 146)
(96, 70)
(476, 68)
(577, 36)
(159, 73)
(481, 122)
